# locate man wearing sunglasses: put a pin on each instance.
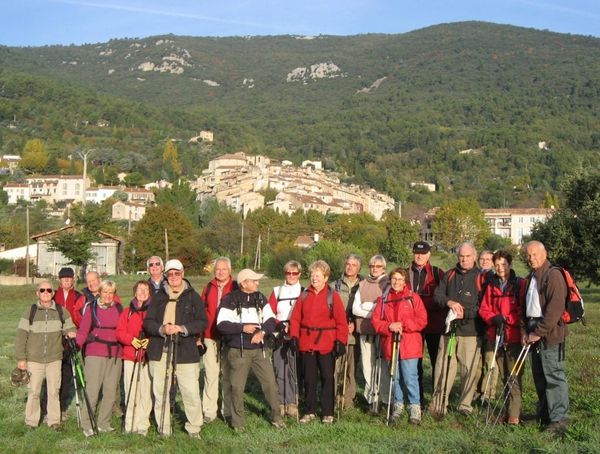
(173, 321)
(155, 268)
(39, 350)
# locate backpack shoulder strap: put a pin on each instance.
(32, 312)
(437, 272)
(61, 314)
(330, 300)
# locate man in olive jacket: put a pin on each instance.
(39, 350)
(543, 327)
(174, 320)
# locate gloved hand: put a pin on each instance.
(339, 349)
(294, 345)
(498, 320)
(144, 343)
(136, 343)
(201, 348)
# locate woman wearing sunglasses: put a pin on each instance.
(282, 301)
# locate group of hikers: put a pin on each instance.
(302, 344)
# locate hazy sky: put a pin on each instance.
(40, 22)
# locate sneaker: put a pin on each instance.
(89, 433)
(415, 414)
(278, 424)
(398, 410)
(307, 418)
(327, 419)
(106, 430)
(291, 410)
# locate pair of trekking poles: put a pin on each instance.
(170, 379)
(79, 385)
(135, 373)
(376, 374)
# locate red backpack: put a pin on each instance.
(574, 310)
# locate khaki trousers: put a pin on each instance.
(51, 372)
(187, 382)
(101, 373)
(465, 355)
(239, 367)
(212, 369)
(137, 413)
(369, 349)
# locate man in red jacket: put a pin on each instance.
(424, 278)
(67, 297)
(221, 285)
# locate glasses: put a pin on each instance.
(292, 273)
(174, 273)
(42, 290)
(375, 266)
(153, 264)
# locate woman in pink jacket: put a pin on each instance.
(138, 388)
(500, 309)
(401, 311)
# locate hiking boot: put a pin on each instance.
(327, 419)
(278, 424)
(106, 430)
(291, 410)
(398, 410)
(556, 427)
(307, 418)
(89, 433)
(415, 414)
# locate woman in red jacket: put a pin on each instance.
(319, 331)
(138, 389)
(501, 308)
(402, 311)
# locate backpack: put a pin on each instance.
(304, 294)
(574, 309)
(59, 309)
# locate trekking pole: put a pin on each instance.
(80, 376)
(344, 380)
(506, 390)
(393, 365)
(340, 368)
(74, 372)
(296, 394)
(174, 384)
(129, 389)
(449, 355)
(139, 359)
(376, 377)
(166, 384)
(490, 372)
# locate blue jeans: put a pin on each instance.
(408, 369)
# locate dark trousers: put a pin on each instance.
(433, 343)
(315, 365)
(548, 368)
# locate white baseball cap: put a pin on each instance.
(173, 264)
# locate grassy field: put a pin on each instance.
(356, 432)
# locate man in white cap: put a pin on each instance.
(174, 320)
(245, 318)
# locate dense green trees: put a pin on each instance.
(458, 221)
(571, 235)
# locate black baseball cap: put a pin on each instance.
(66, 272)
(421, 247)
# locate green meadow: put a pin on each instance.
(356, 431)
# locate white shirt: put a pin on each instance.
(532, 300)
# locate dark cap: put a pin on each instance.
(421, 247)
(66, 272)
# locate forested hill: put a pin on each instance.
(385, 109)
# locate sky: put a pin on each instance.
(47, 22)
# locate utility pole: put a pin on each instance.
(27, 250)
(166, 245)
(257, 256)
(84, 155)
(242, 240)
